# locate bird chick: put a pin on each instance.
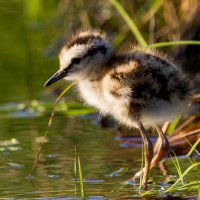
(139, 88)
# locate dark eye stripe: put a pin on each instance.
(75, 60)
(90, 52)
(94, 50)
(102, 49)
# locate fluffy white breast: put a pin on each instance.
(93, 96)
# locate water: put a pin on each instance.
(54, 173)
(30, 35)
(106, 166)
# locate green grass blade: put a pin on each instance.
(81, 179)
(172, 43)
(188, 185)
(66, 90)
(177, 165)
(155, 5)
(48, 127)
(75, 170)
(149, 193)
(130, 23)
(75, 161)
(172, 125)
(183, 175)
(120, 37)
(194, 147)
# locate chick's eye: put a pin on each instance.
(76, 60)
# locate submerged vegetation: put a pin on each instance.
(39, 29)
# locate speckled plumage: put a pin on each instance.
(141, 87)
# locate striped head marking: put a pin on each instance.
(83, 52)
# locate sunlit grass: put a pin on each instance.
(173, 187)
(48, 126)
(172, 125)
(179, 185)
(177, 166)
(77, 164)
(81, 178)
(75, 170)
(193, 148)
(174, 43)
(133, 27)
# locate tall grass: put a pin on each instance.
(181, 177)
(48, 127)
(75, 170)
(130, 23)
(77, 164)
(173, 43)
(81, 178)
(193, 148)
(177, 165)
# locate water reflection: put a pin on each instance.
(101, 157)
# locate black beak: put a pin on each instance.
(57, 76)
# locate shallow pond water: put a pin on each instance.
(29, 36)
(105, 164)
